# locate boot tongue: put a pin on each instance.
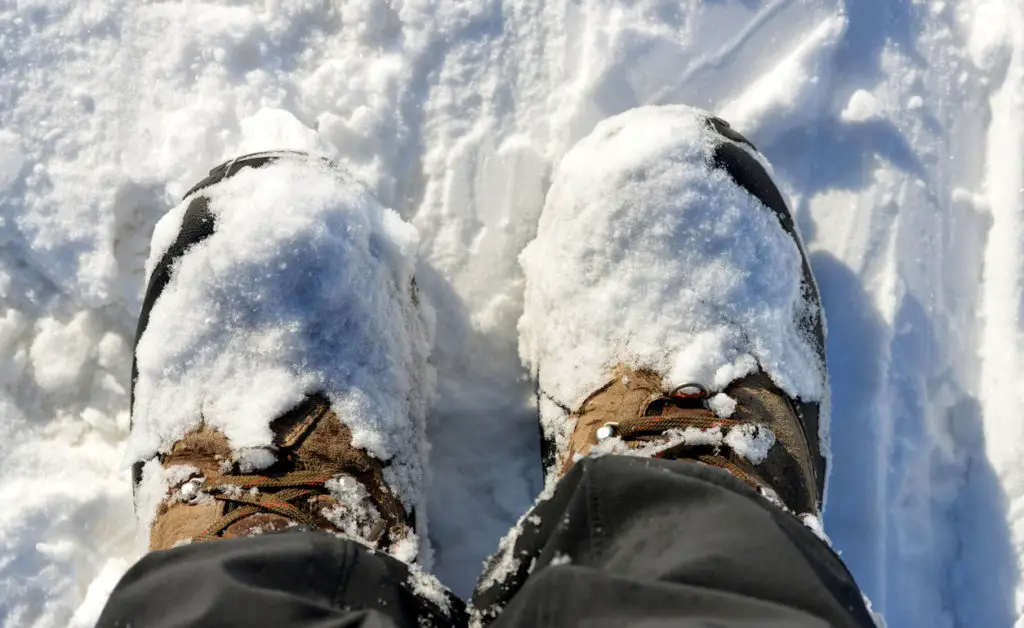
(292, 427)
(678, 405)
(627, 394)
(205, 448)
(208, 451)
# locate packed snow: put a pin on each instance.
(895, 128)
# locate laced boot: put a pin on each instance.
(678, 258)
(320, 480)
(280, 278)
(756, 433)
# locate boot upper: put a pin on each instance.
(319, 479)
(759, 440)
(281, 369)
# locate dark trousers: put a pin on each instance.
(622, 542)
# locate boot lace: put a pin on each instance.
(685, 407)
(277, 495)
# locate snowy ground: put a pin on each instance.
(895, 127)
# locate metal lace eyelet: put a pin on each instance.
(691, 390)
(606, 431)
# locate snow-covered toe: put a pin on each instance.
(282, 299)
(675, 255)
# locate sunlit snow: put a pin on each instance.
(895, 129)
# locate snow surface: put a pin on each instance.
(455, 114)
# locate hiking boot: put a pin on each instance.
(683, 321)
(280, 375)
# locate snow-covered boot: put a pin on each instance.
(683, 321)
(281, 373)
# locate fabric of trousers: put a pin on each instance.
(621, 542)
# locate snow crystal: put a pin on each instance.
(554, 417)
(691, 436)
(772, 496)
(663, 264)
(279, 304)
(346, 488)
(12, 324)
(60, 550)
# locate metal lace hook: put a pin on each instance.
(691, 391)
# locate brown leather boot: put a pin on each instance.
(761, 441)
(320, 480)
(222, 349)
(665, 245)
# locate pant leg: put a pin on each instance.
(638, 542)
(291, 579)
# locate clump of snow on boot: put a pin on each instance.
(306, 285)
(750, 442)
(663, 263)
